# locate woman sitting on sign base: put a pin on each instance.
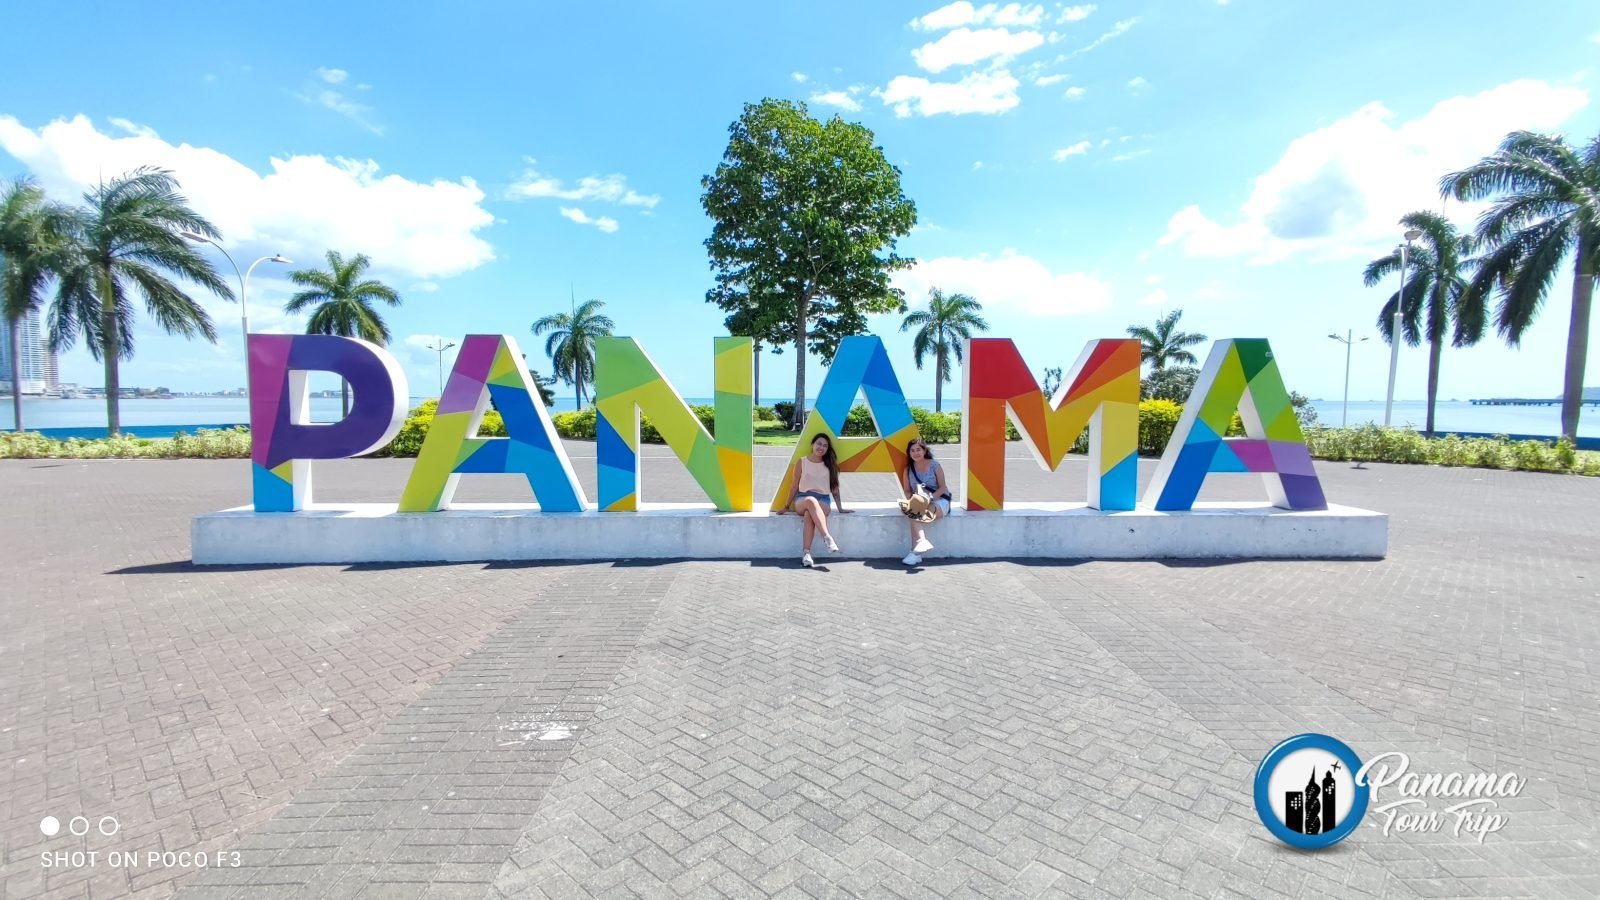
(927, 497)
(815, 477)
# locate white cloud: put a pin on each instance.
(604, 223)
(964, 47)
(302, 206)
(1010, 280)
(1116, 31)
(1157, 297)
(799, 77)
(1338, 192)
(1138, 84)
(1066, 153)
(1130, 155)
(841, 99)
(1075, 93)
(134, 128)
(425, 287)
(985, 93)
(963, 13)
(1076, 13)
(1047, 80)
(977, 164)
(326, 96)
(1595, 38)
(1153, 279)
(609, 188)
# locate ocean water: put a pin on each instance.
(216, 411)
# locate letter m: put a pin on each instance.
(1100, 393)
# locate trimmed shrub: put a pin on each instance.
(785, 413)
(578, 425)
(1157, 419)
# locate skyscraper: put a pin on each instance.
(39, 367)
(1327, 802)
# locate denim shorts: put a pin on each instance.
(824, 499)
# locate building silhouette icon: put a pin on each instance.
(1311, 811)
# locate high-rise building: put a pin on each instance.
(40, 371)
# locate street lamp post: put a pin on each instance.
(440, 350)
(1394, 328)
(244, 283)
(1349, 341)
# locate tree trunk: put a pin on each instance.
(108, 351)
(1435, 351)
(344, 397)
(1578, 339)
(938, 380)
(758, 374)
(16, 371)
(800, 363)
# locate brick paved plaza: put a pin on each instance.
(738, 729)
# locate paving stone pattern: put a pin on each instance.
(711, 729)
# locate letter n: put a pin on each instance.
(627, 383)
(1100, 393)
(1239, 374)
(490, 367)
(283, 439)
(861, 366)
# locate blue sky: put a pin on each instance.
(1077, 168)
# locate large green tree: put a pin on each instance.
(33, 241)
(942, 330)
(125, 241)
(1165, 343)
(1436, 300)
(806, 215)
(342, 302)
(1546, 210)
(570, 344)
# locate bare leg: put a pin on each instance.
(810, 529)
(820, 513)
(916, 530)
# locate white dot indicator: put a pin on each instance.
(50, 825)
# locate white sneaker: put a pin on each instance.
(805, 559)
(923, 546)
(833, 546)
(912, 559)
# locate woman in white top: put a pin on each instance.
(815, 477)
(924, 472)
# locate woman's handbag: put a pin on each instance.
(919, 505)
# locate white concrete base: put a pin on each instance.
(374, 532)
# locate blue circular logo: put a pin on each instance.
(1314, 816)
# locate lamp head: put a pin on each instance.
(1336, 337)
(194, 237)
(280, 258)
(1413, 234)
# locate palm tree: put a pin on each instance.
(1164, 343)
(942, 329)
(32, 241)
(125, 240)
(344, 304)
(1547, 207)
(571, 343)
(1435, 284)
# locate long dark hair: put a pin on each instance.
(831, 460)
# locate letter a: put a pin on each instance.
(489, 366)
(1239, 374)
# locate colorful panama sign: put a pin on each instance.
(1100, 393)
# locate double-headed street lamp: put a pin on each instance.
(1394, 330)
(244, 283)
(1349, 340)
(440, 350)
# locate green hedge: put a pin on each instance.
(1371, 443)
(205, 443)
